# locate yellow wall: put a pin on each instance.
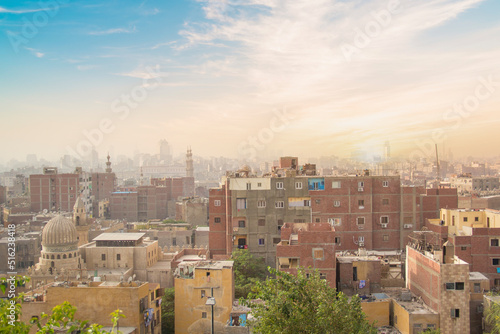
(189, 304)
(405, 321)
(377, 311)
(95, 304)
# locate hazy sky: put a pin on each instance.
(249, 77)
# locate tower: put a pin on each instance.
(189, 163)
(165, 153)
(108, 165)
(80, 221)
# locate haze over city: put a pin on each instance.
(307, 78)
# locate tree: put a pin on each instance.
(168, 312)
(248, 269)
(492, 317)
(304, 304)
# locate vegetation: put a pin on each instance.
(301, 304)
(173, 221)
(248, 270)
(62, 316)
(168, 312)
(492, 317)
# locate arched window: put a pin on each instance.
(52, 257)
(64, 256)
(77, 220)
(70, 255)
(58, 256)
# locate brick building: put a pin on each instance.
(53, 191)
(374, 212)
(441, 279)
(308, 246)
(476, 236)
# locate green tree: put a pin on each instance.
(300, 304)
(168, 312)
(248, 269)
(10, 309)
(492, 317)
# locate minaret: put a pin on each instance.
(108, 165)
(80, 221)
(189, 163)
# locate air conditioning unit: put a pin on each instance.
(384, 225)
(360, 189)
(361, 244)
(408, 225)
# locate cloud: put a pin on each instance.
(113, 31)
(35, 52)
(22, 11)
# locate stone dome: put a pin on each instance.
(59, 232)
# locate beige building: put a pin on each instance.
(195, 282)
(94, 301)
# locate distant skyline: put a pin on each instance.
(247, 78)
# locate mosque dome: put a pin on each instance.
(59, 232)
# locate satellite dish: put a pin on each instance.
(129, 280)
(133, 276)
(45, 211)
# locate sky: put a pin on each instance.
(250, 78)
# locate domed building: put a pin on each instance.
(59, 245)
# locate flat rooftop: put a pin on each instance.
(119, 236)
(477, 276)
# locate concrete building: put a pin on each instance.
(194, 283)
(193, 211)
(441, 279)
(373, 212)
(307, 245)
(122, 254)
(474, 184)
(27, 252)
(53, 191)
(95, 301)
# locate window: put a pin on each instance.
(279, 204)
(494, 242)
(241, 203)
(361, 184)
(279, 185)
(455, 313)
(386, 237)
(152, 296)
(337, 240)
(385, 183)
(103, 257)
(187, 240)
(118, 257)
(336, 204)
(459, 286)
(496, 262)
(217, 202)
(259, 184)
(477, 287)
(249, 186)
(174, 242)
(241, 223)
(217, 220)
(261, 203)
(318, 253)
(384, 220)
(431, 327)
(360, 220)
(452, 220)
(276, 241)
(476, 219)
(262, 222)
(465, 219)
(261, 241)
(298, 185)
(202, 293)
(317, 220)
(463, 248)
(385, 201)
(335, 184)
(361, 203)
(322, 276)
(203, 315)
(335, 221)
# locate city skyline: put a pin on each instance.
(247, 78)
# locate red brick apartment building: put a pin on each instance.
(475, 233)
(143, 203)
(53, 191)
(308, 246)
(374, 212)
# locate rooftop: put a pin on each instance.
(119, 236)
